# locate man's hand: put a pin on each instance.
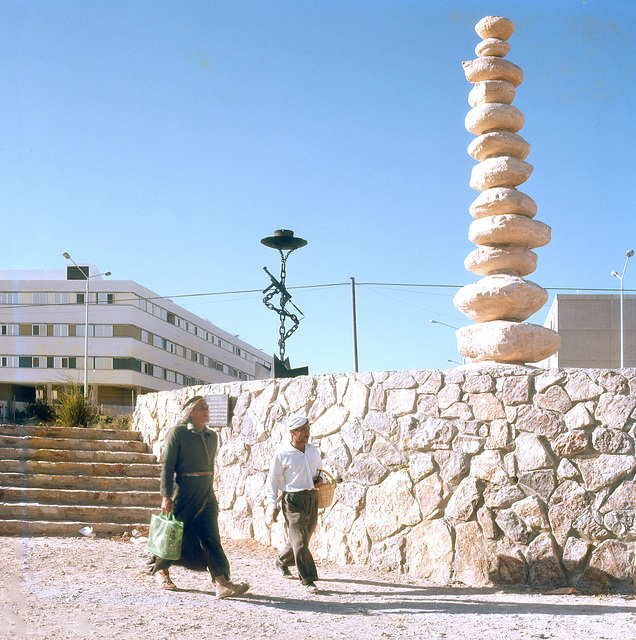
(271, 514)
(167, 505)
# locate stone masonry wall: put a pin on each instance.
(492, 476)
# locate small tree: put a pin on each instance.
(75, 409)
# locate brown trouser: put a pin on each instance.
(300, 510)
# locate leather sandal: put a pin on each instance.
(165, 582)
(230, 589)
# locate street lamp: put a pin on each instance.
(87, 277)
(452, 327)
(629, 254)
(446, 325)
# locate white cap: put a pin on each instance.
(297, 422)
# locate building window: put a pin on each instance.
(80, 298)
(25, 362)
(146, 368)
(8, 297)
(180, 350)
(171, 376)
(145, 337)
(236, 350)
(77, 273)
(38, 330)
(179, 377)
(102, 363)
(39, 363)
(60, 330)
(39, 297)
(102, 330)
(61, 297)
(110, 298)
(10, 329)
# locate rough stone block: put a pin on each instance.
(471, 561)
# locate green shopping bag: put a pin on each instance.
(165, 536)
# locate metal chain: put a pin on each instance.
(284, 334)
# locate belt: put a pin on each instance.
(196, 474)
(302, 491)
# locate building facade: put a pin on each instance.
(138, 341)
(590, 330)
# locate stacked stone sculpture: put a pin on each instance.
(504, 228)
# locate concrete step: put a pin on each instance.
(37, 442)
(80, 468)
(68, 432)
(89, 483)
(77, 455)
(36, 495)
(75, 513)
(56, 480)
(44, 528)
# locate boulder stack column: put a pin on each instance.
(504, 228)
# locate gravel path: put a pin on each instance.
(63, 588)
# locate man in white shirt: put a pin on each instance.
(295, 472)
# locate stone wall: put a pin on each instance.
(491, 476)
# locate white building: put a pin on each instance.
(590, 330)
(138, 342)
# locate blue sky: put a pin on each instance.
(162, 140)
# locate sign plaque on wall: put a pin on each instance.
(219, 410)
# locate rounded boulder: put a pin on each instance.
(492, 68)
(507, 342)
(500, 297)
(512, 259)
(499, 143)
(501, 200)
(509, 229)
(492, 115)
(500, 171)
(500, 91)
(495, 27)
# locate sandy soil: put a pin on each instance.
(62, 588)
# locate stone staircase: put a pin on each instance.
(58, 480)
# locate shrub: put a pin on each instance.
(75, 409)
(121, 423)
(40, 410)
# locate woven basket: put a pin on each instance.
(326, 490)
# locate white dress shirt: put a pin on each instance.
(292, 470)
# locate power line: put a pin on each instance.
(298, 287)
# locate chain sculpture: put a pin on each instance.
(284, 241)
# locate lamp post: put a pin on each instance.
(446, 325)
(284, 242)
(629, 254)
(87, 277)
(452, 327)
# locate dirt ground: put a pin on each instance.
(63, 588)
